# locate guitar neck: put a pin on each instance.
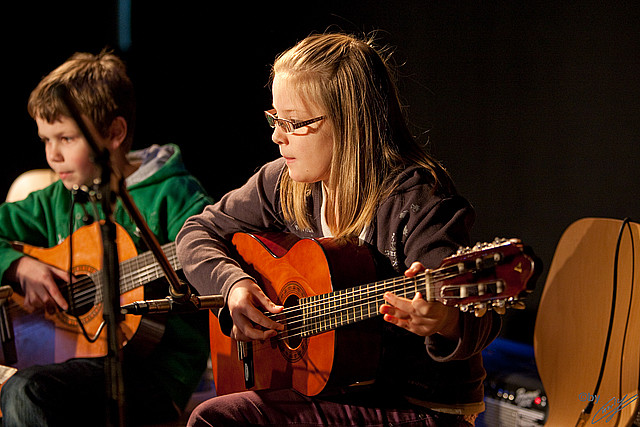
(142, 269)
(325, 312)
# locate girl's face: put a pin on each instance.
(67, 151)
(309, 149)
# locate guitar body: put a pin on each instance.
(289, 269)
(573, 322)
(43, 338)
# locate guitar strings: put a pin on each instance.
(333, 319)
(300, 331)
(329, 319)
(326, 320)
(312, 303)
(84, 292)
(373, 288)
(298, 328)
(88, 289)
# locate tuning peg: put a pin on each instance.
(462, 250)
(516, 304)
(480, 309)
(499, 306)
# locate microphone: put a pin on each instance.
(168, 304)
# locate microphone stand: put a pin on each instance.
(111, 314)
(180, 292)
(110, 269)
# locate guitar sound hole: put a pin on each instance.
(293, 323)
(80, 296)
(293, 341)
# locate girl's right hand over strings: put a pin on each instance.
(247, 302)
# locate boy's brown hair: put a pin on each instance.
(99, 86)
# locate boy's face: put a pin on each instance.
(67, 151)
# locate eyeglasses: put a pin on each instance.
(287, 126)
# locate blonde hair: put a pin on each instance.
(352, 84)
(99, 86)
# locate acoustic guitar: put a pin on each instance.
(50, 338)
(332, 300)
(587, 332)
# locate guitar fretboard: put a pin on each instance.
(140, 270)
(325, 312)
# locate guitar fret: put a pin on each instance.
(314, 327)
(334, 313)
(372, 306)
(316, 316)
(337, 312)
(347, 307)
(319, 314)
(326, 315)
(322, 319)
(343, 307)
(428, 289)
(330, 315)
(408, 290)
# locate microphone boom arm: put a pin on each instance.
(169, 304)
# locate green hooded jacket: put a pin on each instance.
(166, 194)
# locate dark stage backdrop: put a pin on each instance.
(532, 106)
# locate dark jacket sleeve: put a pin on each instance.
(418, 224)
(202, 243)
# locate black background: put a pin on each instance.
(532, 106)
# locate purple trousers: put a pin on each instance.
(290, 408)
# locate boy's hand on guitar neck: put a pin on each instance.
(419, 316)
(39, 283)
(246, 302)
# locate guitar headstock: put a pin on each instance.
(495, 275)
